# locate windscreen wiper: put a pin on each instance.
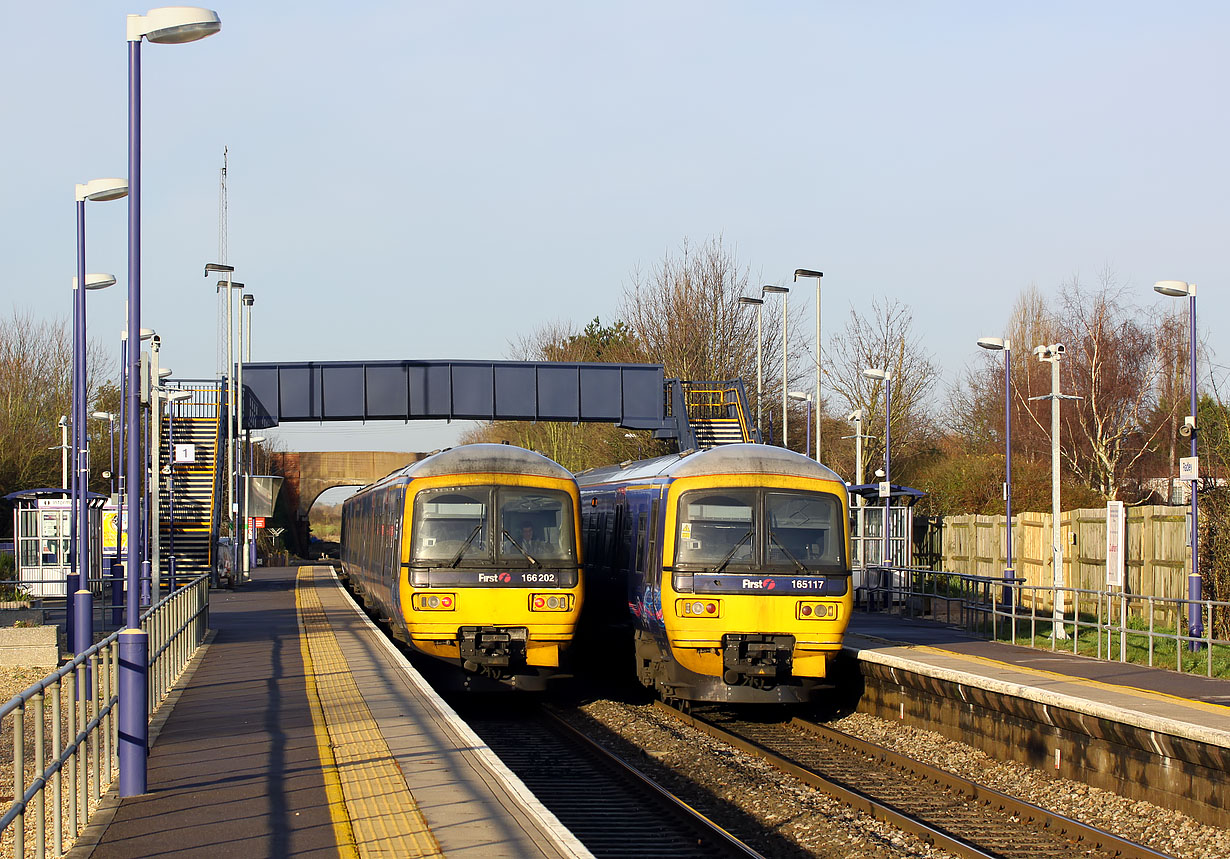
(732, 551)
(528, 556)
(786, 551)
(457, 558)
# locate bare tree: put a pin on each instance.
(1114, 367)
(884, 340)
(686, 316)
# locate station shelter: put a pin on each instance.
(867, 544)
(42, 525)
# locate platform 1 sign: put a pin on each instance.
(1114, 544)
(185, 453)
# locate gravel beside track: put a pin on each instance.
(823, 827)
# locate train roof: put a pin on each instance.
(499, 458)
(724, 459)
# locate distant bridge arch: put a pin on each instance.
(306, 474)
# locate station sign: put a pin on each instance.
(1189, 468)
(1114, 544)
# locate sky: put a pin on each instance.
(412, 180)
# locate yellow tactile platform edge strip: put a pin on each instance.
(382, 815)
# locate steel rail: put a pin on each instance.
(856, 799)
(696, 817)
(1052, 821)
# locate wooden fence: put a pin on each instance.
(1157, 554)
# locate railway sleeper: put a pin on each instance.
(492, 648)
(757, 659)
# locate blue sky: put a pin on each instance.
(413, 180)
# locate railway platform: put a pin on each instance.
(1143, 732)
(300, 730)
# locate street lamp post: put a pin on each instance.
(996, 344)
(758, 303)
(803, 397)
(172, 25)
(79, 537)
(887, 377)
(1195, 620)
(784, 292)
(95, 190)
(230, 285)
(1052, 355)
(806, 272)
(109, 417)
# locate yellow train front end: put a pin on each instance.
(755, 587)
(490, 575)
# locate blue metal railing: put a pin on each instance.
(58, 781)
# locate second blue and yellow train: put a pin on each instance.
(729, 568)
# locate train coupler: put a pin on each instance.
(487, 648)
(757, 660)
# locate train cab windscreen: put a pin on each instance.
(788, 530)
(536, 522)
(452, 526)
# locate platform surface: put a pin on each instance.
(302, 731)
(1189, 705)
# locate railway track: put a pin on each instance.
(609, 805)
(945, 810)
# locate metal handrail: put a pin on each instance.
(78, 772)
(1010, 609)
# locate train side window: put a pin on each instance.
(653, 535)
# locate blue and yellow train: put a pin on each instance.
(731, 566)
(472, 556)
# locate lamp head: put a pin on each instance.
(173, 25)
(164, 372)
(217, 266)
(993, 343)
(97, 281)
(877, 373)
(104, 416)
(178, 396)
(248, 299)
(800, 396)
(99, 190)
(743, 299)
(778, 289)
(806, 272)
(1175, 288)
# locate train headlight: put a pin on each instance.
(434, 602)
(550, 602)
(698, 608)
(815, 611)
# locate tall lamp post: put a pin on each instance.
(996, 344)
(109, 417)
(758, 303)
(170, 25)
(1052, 355)
(887, 377)
(806, 272)
(230, 285)
(784, 292)
(95, 190)
(1195, 621)
(804, 397)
